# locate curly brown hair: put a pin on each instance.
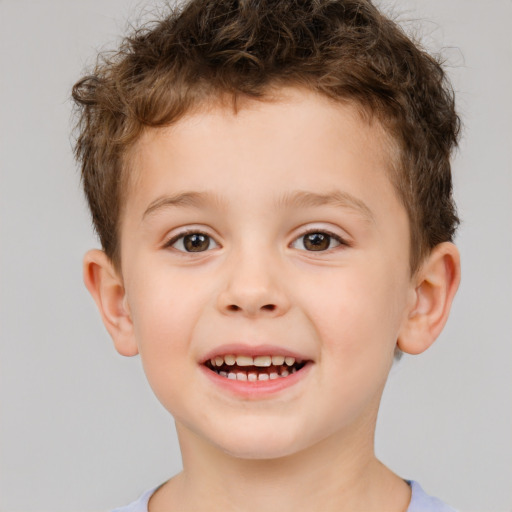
(204, 50)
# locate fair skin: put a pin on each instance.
(274, 231)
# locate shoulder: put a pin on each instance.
(422, 502)
(140, 505)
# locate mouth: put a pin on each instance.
(254, 368)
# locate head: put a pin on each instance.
(270, 179)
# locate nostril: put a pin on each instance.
(266, 307)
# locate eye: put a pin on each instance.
(317, 241)
(192, 242)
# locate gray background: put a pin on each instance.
(81, 431)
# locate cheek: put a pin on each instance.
(356, 317)
(357, 313)
(163, 318)
(164, 309)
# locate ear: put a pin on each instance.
(106, 287)
(434, 287)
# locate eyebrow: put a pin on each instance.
(304, 199)
(297, 199)
(193, 199)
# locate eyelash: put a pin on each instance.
(183, 234)
(331, 235)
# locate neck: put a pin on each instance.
(340, 474)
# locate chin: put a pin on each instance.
(261, 445)
(251, 436)
(258, 452)
(255, 454)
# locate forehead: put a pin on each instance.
(292, 137)
(296, 120)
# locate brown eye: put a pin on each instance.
(316, 241)
(196, 242)
(192, 242)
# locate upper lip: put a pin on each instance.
(238, 349)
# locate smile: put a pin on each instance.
(253, 369)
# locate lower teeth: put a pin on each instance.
(255, 376)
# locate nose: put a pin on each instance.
(253, 289)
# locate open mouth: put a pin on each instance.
(253, 369)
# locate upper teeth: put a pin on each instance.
(261, 361)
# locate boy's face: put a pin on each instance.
(293, 243)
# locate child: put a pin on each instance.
(270, 181)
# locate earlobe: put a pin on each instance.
(435, 286)
(106, 287)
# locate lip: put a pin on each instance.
(257, 389)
